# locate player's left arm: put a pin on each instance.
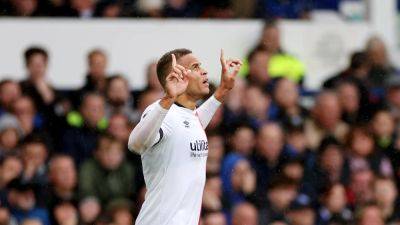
(229, 70)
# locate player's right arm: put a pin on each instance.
(148, 131)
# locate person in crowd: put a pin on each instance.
(360, 189)
(277, 9)
(108, 9)
(179, 8)
(369, 214)
(76, 8)
(238, 179)
(10, 134)
(256, 104)
(36, 85)
(32, 222)
(216, 218)
(381, 67)
(89, 210)
(10, 91)
(386, 194)
(11, 167)
(243, 140)
(121, 214)
(23, 204)
(63, 181)
(333, 205)
(301, 212)
(6, 217)
(325, 119)
(255, 68)
(96, 78)
(216, 148)
(383, 128)
(108, 176)
(281, 191)
(363, 153)
(65, 213)
(27, 8)
(286, 97)
(245, 213)
(85, 126)
(212, 195)
(119, 99)
(392, 97)
(350, 102)
(270, 154)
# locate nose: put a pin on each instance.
(204, 72)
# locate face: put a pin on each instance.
(89, 210)
(63, 174)
(327, 111)
(24, 108)
(243, 140)
(258, 67)
(270, 141)
(302, 217)
(362, 144)
(215, 219)
(11, 169)
(241, 170)
(332, 159)
(25, 200)
(294, 171)
(349, 98)
(34, 154)
(9, 139)
(110, 155)
(123, 217)
(216, 147)
(118, 127)
(37, 66)
(271, 39)
(97, 63)
(371, 216)
(385, 192)
(336, 199)
(9, 92)
(281, 197)
(65, 212)
(361, 184)
(93, 110)
(198, 80)
(394, 96)
(4, 216)
(256, 103)
(245, 215)
(286, 93)
(298, 140)
(118, 92)
(383, 124)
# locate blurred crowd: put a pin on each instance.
(292, 9)
(278, 153)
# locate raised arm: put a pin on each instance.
(148, 131)
(229, 70)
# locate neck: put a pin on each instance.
(187, 101)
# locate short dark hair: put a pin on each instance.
(164, 63)
(31, 51)
(359, 59)
(96, 51)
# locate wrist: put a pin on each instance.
(220, 93)
(167, 101)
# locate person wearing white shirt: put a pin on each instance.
(171, 140)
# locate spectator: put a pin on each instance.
(393, 97)
(6, 217)
(63, 181)
(245, 213)
(30, 121)
(238, 180)
(10, 133)
(32, 222)
(181, 8)
(362, 152)
(243, 140)
(22, 200)
(108, 9)
(350, 102)
(36, 86)
(89, 210)
(65, 214)
(256, 67)
(27, 8)
(369, 214)
(34, 153)
(270, 154)
(294, 9)
(256, 107)
(119, 99)
(121, 214)
(381, 67)
(325, 120)
(216, 152)
(286, 96)
(334, 205)
(301, 213)
(9, 92)
(281, 192)
(85, 126)
(383, 128)
(360, 190)
(77, 8)
(386, 198)
(96, 78)
(212, 196)
(108, 176)
(215, 219)
(10, 168)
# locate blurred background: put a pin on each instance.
(310, 135)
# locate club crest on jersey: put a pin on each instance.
(186, 123)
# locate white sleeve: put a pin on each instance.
(148, 131)
(207, 110)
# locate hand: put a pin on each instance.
(177, 80)
(230, 69)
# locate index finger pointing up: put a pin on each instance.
(222, 58)
(173, 61)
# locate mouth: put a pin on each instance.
(206, 82)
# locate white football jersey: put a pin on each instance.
(174, 170)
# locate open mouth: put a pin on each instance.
(205, 81)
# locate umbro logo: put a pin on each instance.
(186, 123)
